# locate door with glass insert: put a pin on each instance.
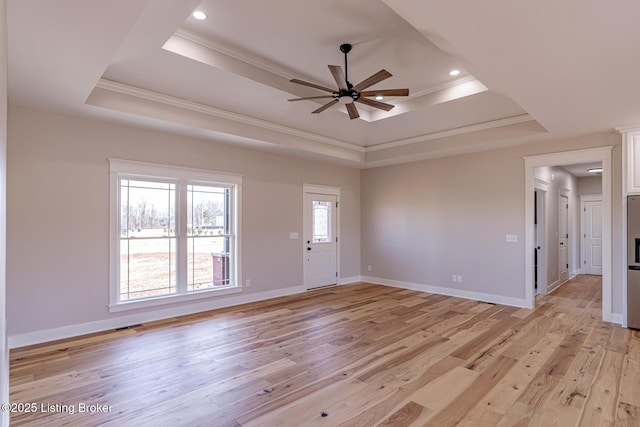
(320, 246)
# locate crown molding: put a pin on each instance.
(437, 88)
(236, 53)
(452, 132)
(216, 112)
(147, 95)
(627, 128)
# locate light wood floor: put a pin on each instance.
(357, 355)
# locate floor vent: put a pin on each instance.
(127, 327)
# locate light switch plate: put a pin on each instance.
(294, 236)
(511, 238)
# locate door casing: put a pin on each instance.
(563, 237)
(588, 155)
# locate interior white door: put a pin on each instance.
(540, 272)
(320, 240)
(563, 238)
(592, 235)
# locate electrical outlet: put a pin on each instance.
(459, 279)
(369, 267)
(247, 283)
(454, 278)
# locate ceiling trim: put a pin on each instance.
(235, 53)
(216, 112)
(452, 132)
(433, 89)
(299, 135)
(627, 128)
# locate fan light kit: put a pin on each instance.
(347, 93)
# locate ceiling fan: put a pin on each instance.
(347, 93)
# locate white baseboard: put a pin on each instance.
(349, 280)
(553, 286)
(477, 296)
(38, 337)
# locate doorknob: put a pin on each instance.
(308, 249)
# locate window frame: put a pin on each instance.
(127, 169)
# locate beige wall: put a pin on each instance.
(4, 351)
(425, 221)
(58, 212)
(589, 185)
(417, 223)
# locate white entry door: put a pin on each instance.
(592, 235)
(320, 240)
(563, 237)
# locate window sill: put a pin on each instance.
(171, 299)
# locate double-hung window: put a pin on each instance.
(174, 234)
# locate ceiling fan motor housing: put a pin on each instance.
(347, 96)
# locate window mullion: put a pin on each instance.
(181, 234)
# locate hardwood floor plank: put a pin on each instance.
(412, 382)
(455, 411)
(480, 416)
(630, 382)
(404, 416)
(442, 391)
(511, 387)
(361, 354)
(628, 415)
(601, 406)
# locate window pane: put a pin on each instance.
(147, 267)
(208, 262)
(147, 239)
(147, 209)
(321, 221)
(207, 209)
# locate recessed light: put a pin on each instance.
(199, 15)
(595, 170)
(379, 98)
(454, 72)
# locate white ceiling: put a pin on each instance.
(530, 70)
(582, 170)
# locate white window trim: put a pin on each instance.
(142, 170)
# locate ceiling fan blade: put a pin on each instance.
(338, 76)
(325, 106)
(377, 104)
(313, 85)
(386, 92)
(310, 97)
(353, 111)
(370, 81)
